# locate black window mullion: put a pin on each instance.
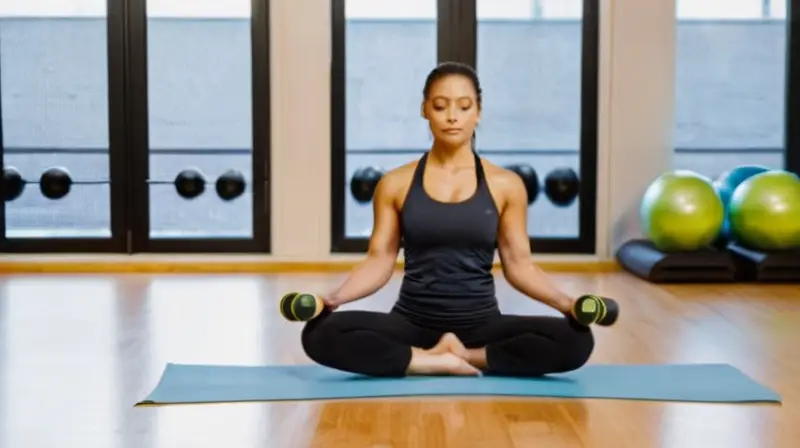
(792, 107)
(590, 92)
(261, 129)
(137, 125)
(338, 108)
(457, 31)
(3, 239)
(118, 138)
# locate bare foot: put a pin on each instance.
(449, 343)
(456, 365)
(426, 363)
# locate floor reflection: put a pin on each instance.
(77, 352)
(61, 345)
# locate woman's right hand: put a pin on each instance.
(329, 302)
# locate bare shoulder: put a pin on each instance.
(502, 180)
(396, 182)
(399, 176)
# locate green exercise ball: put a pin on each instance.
(764, 211)
(681, 211)
(725, 184)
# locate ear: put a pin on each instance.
(422, 111)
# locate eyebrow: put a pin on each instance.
(466, 97)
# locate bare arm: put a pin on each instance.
(384, 244)
(515, 253)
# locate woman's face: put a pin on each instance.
(452, 110)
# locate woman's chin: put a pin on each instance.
(449, 141)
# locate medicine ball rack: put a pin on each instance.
(56, 183)
(561, 186)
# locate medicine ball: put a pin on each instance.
(13, 183)
(364, 182)
(190, 183)
(562, 186)
(230, 185)
(55, 183)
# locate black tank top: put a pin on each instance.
(449, 250)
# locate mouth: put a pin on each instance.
(452, 131)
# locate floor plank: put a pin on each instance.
(77, 351)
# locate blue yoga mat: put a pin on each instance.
(683, 382)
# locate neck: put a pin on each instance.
(451, 156)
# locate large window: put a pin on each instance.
(390, 47)
(56, 112)
(537, 60)
(733, 93)
(538, 110)
(123, 97)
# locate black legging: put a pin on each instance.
(379, 344)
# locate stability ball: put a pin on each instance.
(681, 211)
(729, 180)
(725, 184)
(764, 211)
(724, 233)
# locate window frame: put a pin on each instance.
(129, 151)
(791, 113)
(457, 41)
(140, 148)
(792, 88)
(115, 43)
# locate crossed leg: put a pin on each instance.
(528, 345)
(381, 344)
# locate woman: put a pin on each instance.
(451, 209)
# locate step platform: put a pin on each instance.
(642, 259)
(759, 266)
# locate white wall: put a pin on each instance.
(638, 122)
(636, 110)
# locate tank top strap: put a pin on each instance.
(416, 190)
(479, 170)
(419, 174)
(419, 171)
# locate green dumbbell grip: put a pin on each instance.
(300, 307)
(592, 309)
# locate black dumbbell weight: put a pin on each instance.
(591, 309)
(301, 307)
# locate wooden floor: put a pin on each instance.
(76, 353)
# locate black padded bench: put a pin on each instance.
(758, 266)
(644, 260)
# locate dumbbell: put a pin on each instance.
(591, 309)
(301, 307)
